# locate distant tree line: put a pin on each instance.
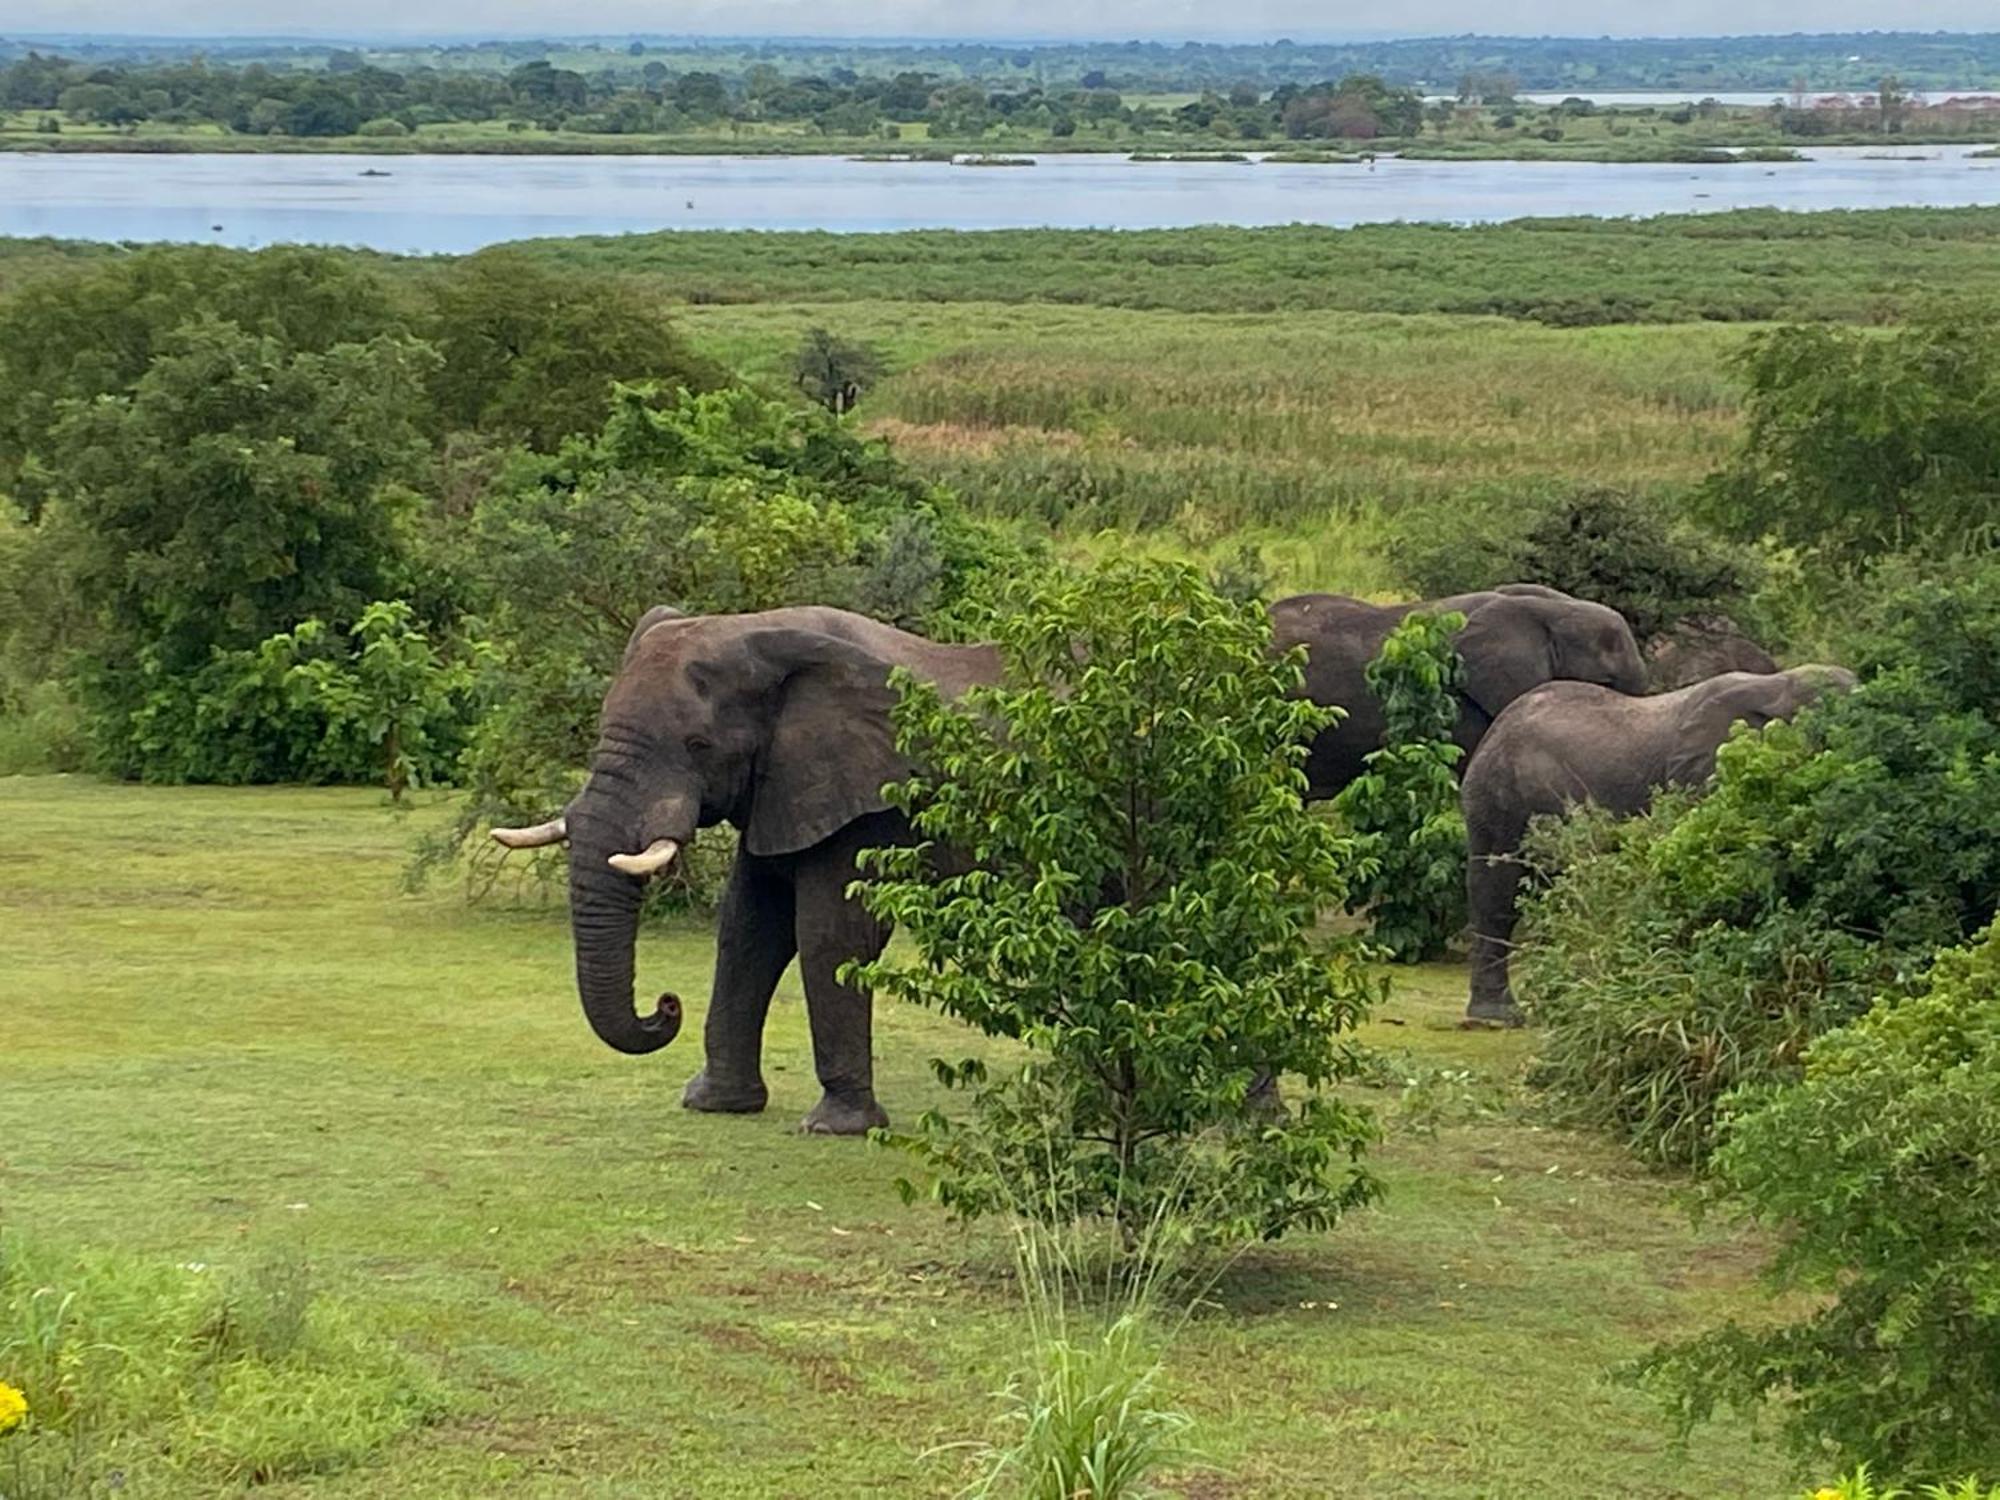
(1698, 65)
(351, 96)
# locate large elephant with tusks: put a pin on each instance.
(1569, 743)
(778, 723)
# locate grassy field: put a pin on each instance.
(1751, 265)
(1315, 437)
(226, 1029)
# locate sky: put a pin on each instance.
(1252, 20)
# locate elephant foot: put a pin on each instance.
(849, 1115)
(710, 1097)
(1484, 1012)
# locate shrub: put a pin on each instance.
(383, 127)
(1878, 1170)
(1859, 443)
(239, 489)
(1705, 944)
(1404, 805)
(532, 353)
(1139, 916)
(1614, 548)
(384, 705)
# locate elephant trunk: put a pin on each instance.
(604, 923)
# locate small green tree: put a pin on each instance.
(1879, 1171)
(834, 371)
(1138, 913)
(390, 698)
(1404, 805)
(1858, 443)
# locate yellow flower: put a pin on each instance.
(13, 1408)
(1825, 1492)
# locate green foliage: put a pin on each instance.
(1750, 265)
(717, 502)
(1091, 1419)
(834, 371)
(139, 1374)
(1878, 1170)
(1704, 945)
(1862, 443)
(239, 489)
(305, 706)
(1138, 913)
(1861, 1485)
(530, 353)
(1404, 805)
(1613, 547)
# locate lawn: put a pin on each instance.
(227, 1029)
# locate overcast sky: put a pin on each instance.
(1114, 19)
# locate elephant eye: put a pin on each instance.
(696, 744)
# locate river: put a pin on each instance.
(430, 204)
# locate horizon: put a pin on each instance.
(1296, 37)
(928, 23)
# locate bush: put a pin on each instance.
(1614, 548)
(1139, 917)
(1404, 805)
(305, 706)
(1859, 443)
(1705, 944)
(383, 127)
(1878, 1171)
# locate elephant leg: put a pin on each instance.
(832, 929)
(1492, 886)
(754, 942)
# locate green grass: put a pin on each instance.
(226, 1026)
(1314, 436)
(1745, 266)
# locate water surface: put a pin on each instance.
(459, 203)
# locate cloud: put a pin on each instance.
(1102, 19)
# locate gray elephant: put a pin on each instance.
(1698, 648)
(1572, 742)
(779, 724)
(1516, 637)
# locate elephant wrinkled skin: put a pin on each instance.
(778, 723)
(1570, 742)
(1516, 637)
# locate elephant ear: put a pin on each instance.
(659, 614)
(1507, 649)
(831, 749)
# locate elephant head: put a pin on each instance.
(1516, 639)
(760, 720)
(1714, 707)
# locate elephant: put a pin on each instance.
(777, 722)
(1516, 637)
(1698, 648)
(1572, 742)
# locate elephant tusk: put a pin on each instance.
(555, 831)
(657, 856)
